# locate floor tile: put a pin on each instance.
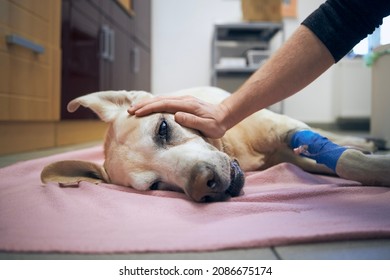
(347, 250)
(252, 254)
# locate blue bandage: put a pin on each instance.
(319, 148)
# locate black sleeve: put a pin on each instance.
(341, 24)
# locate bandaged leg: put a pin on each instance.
(369, 169)
(312, 145)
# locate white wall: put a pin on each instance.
(181, 38)
(343, 91)
(181, 44)
(352, 88)
(315, 102)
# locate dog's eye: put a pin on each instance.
(162, 136)
(154, 186)
(163, 130)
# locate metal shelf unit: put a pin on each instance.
(239, 49)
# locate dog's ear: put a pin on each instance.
(108, 104)
(70, 172)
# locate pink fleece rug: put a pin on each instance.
(282, 205)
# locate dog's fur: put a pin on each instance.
(154, 152)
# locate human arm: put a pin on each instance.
(322, 39)
(298, 62)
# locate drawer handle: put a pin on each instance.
(107, 43)
(23, 42)
(104, 42)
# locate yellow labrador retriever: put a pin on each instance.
(156, 153)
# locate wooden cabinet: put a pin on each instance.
(106, 46)
(29, 60)
(52, 51)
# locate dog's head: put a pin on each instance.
(151, 153)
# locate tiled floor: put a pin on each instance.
(352, 250)
(346, 250)
(13, 158)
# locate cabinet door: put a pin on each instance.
(122, 78)
(80, 54)
(128, 65)
(107, 44)
(141, 53)
(101, 51)
(142, 21)
(140, 66)
(29, 60)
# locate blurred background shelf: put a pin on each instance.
(239, 49)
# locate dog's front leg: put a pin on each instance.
(347, 163)
(371, 170)
(313, 145)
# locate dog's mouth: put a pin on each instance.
(237, 179)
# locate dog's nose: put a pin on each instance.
(205, 184)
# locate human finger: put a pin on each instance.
(162, 104)
(147, 101)
(208, 127)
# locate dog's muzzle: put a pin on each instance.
(237, 179)
(206, 185)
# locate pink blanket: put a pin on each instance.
(282, 205)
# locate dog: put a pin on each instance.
(156, 153)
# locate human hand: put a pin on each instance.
(189, 111)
